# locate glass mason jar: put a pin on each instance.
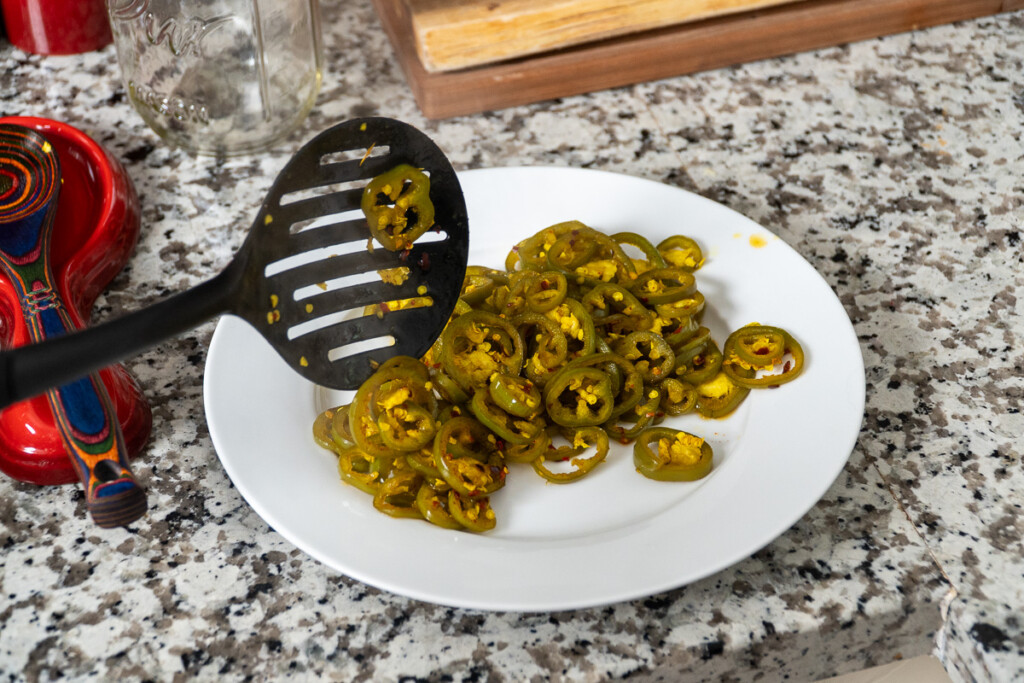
(219, 77)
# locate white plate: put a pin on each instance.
(614, 535)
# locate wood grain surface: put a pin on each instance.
(456, 34)
(664, 52)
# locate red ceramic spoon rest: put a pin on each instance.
(95, 230)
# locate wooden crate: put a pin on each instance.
(663, 52)
(458, 34)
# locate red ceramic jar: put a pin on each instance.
(56, 27)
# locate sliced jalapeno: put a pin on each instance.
(649, 353)
(672, 455)
(791, 360)
(680, 251)
(433, 506)
(515, 395)
(396, 495)
(719, 396)
(363, 471)
(474, 514)
(467, 456)
(397, 207)
(581, 440)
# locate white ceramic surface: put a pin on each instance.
(613, 535)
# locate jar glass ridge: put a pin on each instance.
(219, 76)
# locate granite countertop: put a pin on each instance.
(894, 166)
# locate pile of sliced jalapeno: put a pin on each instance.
(576, 343)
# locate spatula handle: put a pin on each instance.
(31, 370)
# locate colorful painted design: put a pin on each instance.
(29, 187)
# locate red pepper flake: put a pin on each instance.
(404, 256)
(424, 262)
(787, 366)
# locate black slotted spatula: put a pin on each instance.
(303, 274)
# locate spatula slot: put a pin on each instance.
(320, 191)
(311, 291)
(375, 151)
(348, 351)
(352, 216)
(349, 314)
(313, 247)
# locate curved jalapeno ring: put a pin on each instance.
(397, 207)
(422, 461)
(545, 345)
(433, 505)
(680, 332)
(515, 395)
(719, 396)
(614, 309)
(677, 397)
(689, 305)
(545, 291)
(532, 252)
(363, 411)
(322, 431)
(698, 363)
(651, 253)
(572, 250)
(449, 388)
(479, 283)
(527, 453)
(576, 324)
(396, 495)
(467, 459)
(363, 471)
(405, 407)
(340, 427)
(641, 416)
(755, 346)
(474, 514)
(791, 366)
(478, 344)
(432, 358)
(508, 428)
(579, 396)
(630, 391)
(680, 251)
(580, 440)
(407, 428)
(663, 286)
(672, 455)
(649, 353)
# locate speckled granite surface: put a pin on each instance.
(894, 166)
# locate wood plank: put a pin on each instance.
(666, 52)
(457, 34)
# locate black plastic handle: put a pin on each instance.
(30, 370)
